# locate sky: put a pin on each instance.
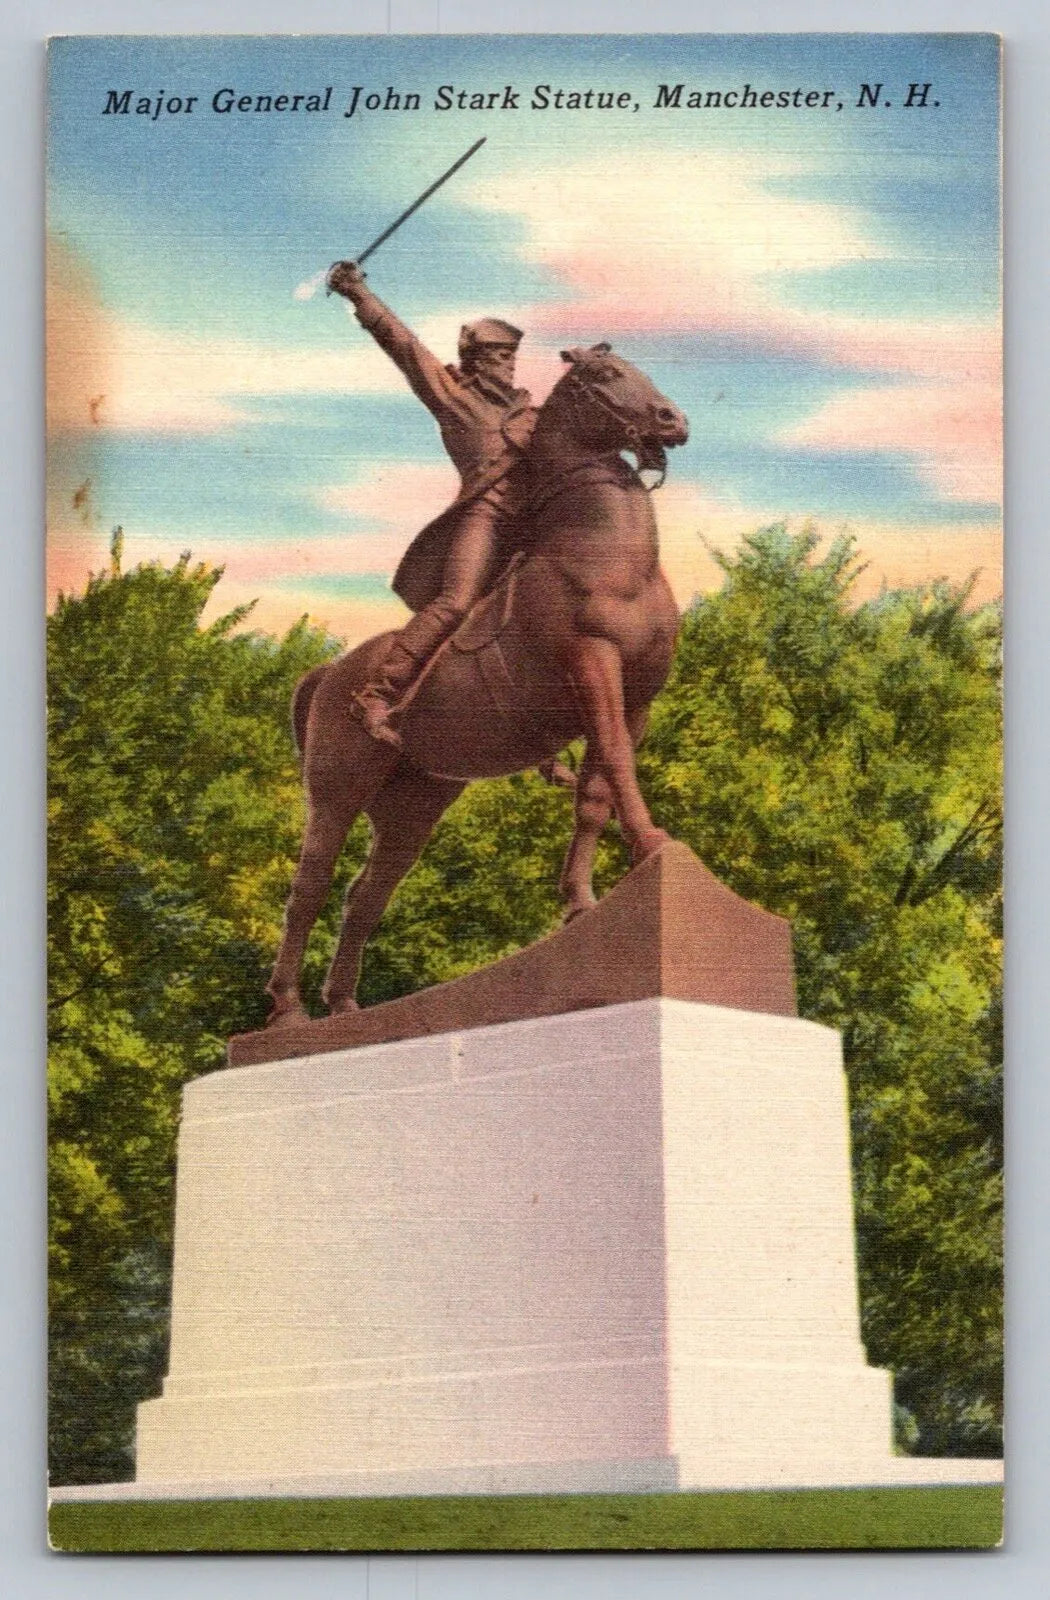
(816, 287)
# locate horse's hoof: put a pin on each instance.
(571, 913)
(282, 1015)
(340, 1008)
(647, 844)
(557, 774)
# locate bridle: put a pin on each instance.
(652, 457)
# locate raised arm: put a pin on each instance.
(429, 378)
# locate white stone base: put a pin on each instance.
(606, 1250)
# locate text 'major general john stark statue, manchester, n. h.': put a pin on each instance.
(485, 424)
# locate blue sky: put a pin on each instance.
(819, 290)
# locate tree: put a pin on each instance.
(174, 811)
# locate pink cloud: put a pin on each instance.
(71, 555)
(953, 431)
(398, 496)
(720, 251)
(351, 618)
(695, 524)
(107, 372)
(720, 246)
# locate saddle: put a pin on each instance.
(481, 643)
(488, 619)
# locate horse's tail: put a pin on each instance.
(301, 698)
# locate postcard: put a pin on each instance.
(524, 637)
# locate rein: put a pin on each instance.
(620, 474)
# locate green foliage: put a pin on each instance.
(835, 763)
(784, 1519)
(174, 813)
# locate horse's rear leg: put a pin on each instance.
(597, 677)
(404, 814)
(328, 824)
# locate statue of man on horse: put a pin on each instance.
(509, 656)
(486, 424)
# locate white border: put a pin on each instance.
(1020, 1570)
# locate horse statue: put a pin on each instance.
(574, 641)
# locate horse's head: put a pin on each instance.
(614, 406)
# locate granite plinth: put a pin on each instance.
(607, 1249)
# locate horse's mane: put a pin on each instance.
(576, 358)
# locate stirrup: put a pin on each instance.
(373, 713)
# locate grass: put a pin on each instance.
(809, 1519)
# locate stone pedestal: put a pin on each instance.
(608, 1249)
(579, 1221)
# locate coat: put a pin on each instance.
(485, 427)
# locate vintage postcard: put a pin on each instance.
(524, 553)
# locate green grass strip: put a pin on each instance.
(810, 1519)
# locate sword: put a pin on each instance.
(384, 236)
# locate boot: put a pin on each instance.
(403, 665)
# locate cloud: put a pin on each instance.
(712, 212)
(78, 355)
(716, 254)
(953, 432)
(695, 524)
(110, 372)
(72, 552)
(900, 556)
(351, 618)
(720, 252)
(398, 496)
(717, 249)
(278, 579)
(285, 578)
(712, 237)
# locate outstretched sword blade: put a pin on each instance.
(384, 236)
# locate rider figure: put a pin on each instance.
(485, 425)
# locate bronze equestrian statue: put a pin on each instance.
(574, 641)
(485, 425)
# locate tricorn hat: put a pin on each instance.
(490, 330)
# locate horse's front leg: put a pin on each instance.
(593, 808)
(596, 670)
